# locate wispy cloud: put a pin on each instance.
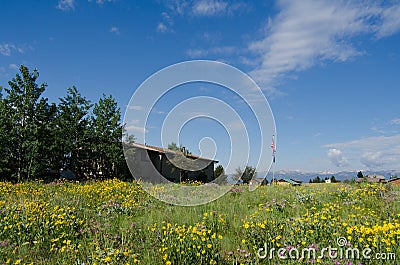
(161, 27)
(390, 23)
(221, 50)
(203, 8)
(115, 30)
(134, 128)
(306, 33)
(166, 24)
(7, 49)
(209, 7)
(13, 66)
(395, 122)
(66, 5)
(101, 2)
(377, 129)
(135, 107)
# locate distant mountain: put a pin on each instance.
(341, 175)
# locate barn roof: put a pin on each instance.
(165, 150)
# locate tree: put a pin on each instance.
(264, 182)
(174, 147)
(245, 175)
(333, 179)
(74, 135)
(107, 150)
(28, 120)
(219, 174)
(219, 171)
(360, 175)
(182, 161)
(5, 137)
(38, 139)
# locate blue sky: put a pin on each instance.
(329, 69)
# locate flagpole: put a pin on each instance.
(273, 154)
(273, 173)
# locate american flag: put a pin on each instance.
(273, 148)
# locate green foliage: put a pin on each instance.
(174, 147)
(317, 180)
(27, 122)
(219, 173)
(246, 175)
(360, 175)
(107, 131)
(182, 163)
(74, 133)
(219, 170)
(38, 139)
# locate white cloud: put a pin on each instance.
(374, 151)
(219, 50)
(167, 18)
(166, 24)
(196, 53)
(237, 125)
(114, 30)
(377, 129)
(156, 111)
(372, 160)
(306, 33)
(66, 5)
(134, 128)
(370, 144)
(395, 122)
(390, 21)
(7, 49)
(209, 7)
(135, 121)
(203, 8)
(135, 107)
(100, 2)
(13, 66)
(162, 28)
(336, 157)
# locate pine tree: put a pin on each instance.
(5, 143)
(73, 134)
(27, 118)
(107, 133)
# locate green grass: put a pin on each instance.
(114, 222)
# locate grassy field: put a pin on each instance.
(114, 222)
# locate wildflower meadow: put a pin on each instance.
(116, 222)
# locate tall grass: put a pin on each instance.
(114, 222)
